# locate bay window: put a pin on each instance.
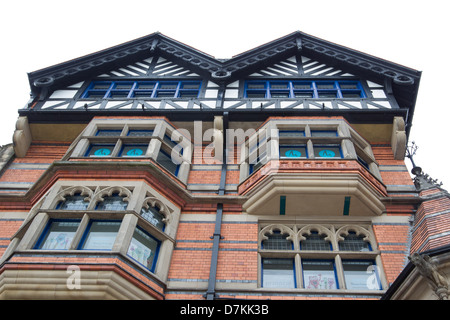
(319, 257)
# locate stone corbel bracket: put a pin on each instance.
(22, 137)
(398, 138)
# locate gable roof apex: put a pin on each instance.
(400, 80)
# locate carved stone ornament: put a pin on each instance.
(270, 229)
(427, 267)
(163, 209)
(108, 192)
(71, 191)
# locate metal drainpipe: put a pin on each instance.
(211, 291)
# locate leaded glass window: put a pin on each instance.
(115, 202)
(315, 241)
(354, 242)
(277, 241)
(154, 216)
(75, 202)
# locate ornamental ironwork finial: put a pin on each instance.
(421, 180)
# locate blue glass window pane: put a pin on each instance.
(293, 152)
(319, 274)
(58, 235)
(327, 152)
(144, 249)
(278, 273)
(133, 151)
(99, 150)
(113, 203)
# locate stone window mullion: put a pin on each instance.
(299, 271)
(80, 232)
(125, 233)
(339, 271)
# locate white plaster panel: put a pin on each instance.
(231, 93)
(211, 93)
(63, 94)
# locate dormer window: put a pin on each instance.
(342, 89)
(142, 89)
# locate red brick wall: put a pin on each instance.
(432, 221)
(38, 153)
(7, 228)
(393, 242)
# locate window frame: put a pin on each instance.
(337, 133)
(375, 272)
(115, 194)
(313, 91)
(87, 232)
(135, 92)
(46, 232)
(158, 247)
(334, 271)
(332, 234)
(153, 137)
(294, 280)
(32, 233)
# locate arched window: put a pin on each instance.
(354, 242)
(277, 241)
(114, 202)
(75, 202)
(315, 241)
(153, 215)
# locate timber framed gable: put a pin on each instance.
(158, 57)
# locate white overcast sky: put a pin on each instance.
(39, 34)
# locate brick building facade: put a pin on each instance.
(152, 170)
